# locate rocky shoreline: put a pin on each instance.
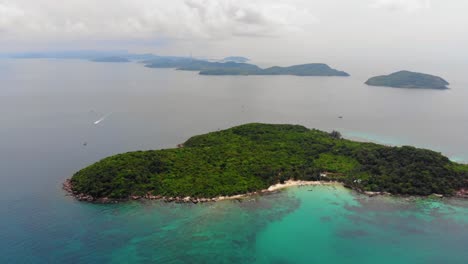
(68, 187)
(372, 194)
(462, 193)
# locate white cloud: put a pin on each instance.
(123, 19)
(402, 5)
(8, 15)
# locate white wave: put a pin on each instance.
(102, 119)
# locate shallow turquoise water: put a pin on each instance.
(334, 226)
(320, 224)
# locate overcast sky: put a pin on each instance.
(289, 30)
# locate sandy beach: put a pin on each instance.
(290, 183)
(278, 186)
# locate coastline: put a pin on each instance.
(291, 183)
(278, 187)
(68, 187)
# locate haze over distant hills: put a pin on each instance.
(238, 59)
(69, 54)
(107, 55)
(232, 65)
(93, 55)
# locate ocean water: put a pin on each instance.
(48, 109)
(333, 225)
(319, 224)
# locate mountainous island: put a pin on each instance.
(407, 79)
(237, 59)
(232, 65)
(252, 157)
(235, 68)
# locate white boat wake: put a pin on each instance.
(102, 119)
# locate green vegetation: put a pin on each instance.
(311, 69)
(167, 62)
(237, 59)
(254, 156)
(238, 68)
(407, 79)
(221, 68)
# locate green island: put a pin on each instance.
(238, 59)
(239, 68)
(252, 157)
(310, 69)
(407, 79)
(232, 68)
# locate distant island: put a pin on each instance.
(81, 54)
(111, 59)
(231, 65)
(311, 69)
(220, 68)
(237, 59)
(407, 79)
(250, 158)
(167, 62)
(235, 68)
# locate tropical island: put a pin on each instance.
(250, 158)
(230, 68)
(236, 68)
(232, 65)
(310, 69)
(407, 79)
(238, 59)
(226, 66)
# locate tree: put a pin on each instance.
(335, 134)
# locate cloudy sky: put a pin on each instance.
(287, 30)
